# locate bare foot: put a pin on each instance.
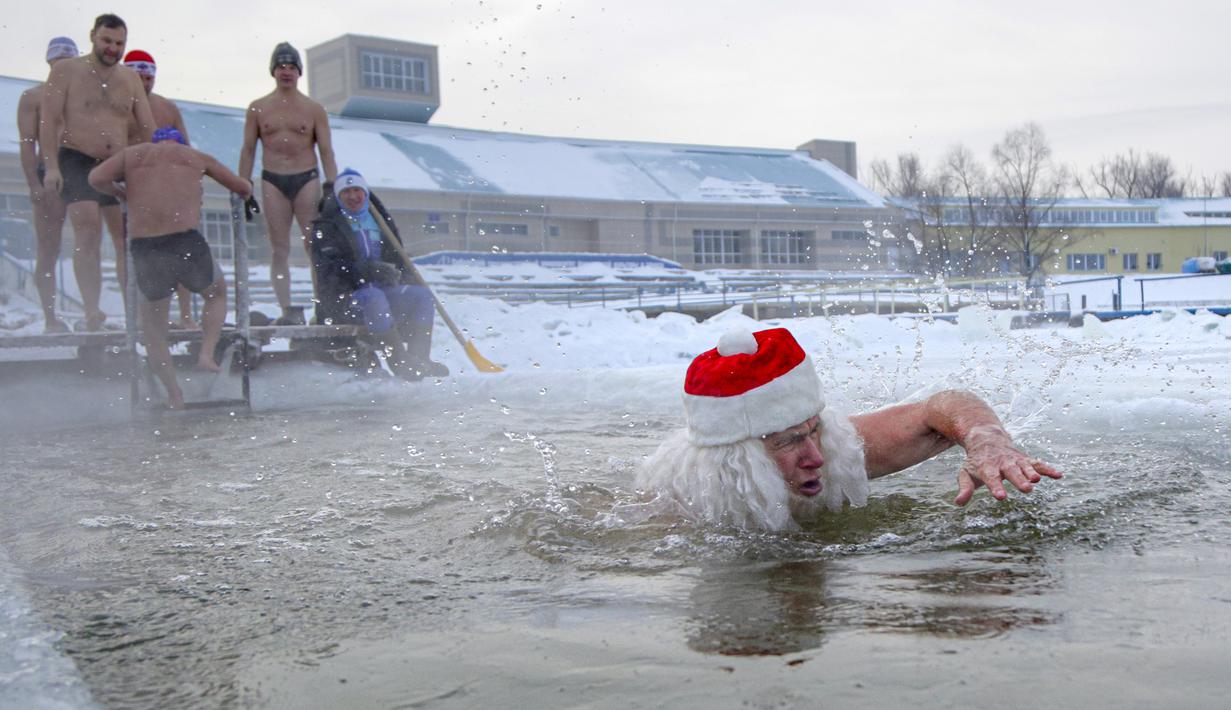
(187, 323)
(55, 325)
(95, 320)
(207, 363)
(175, 400)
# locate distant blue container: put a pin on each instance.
(1198, 265)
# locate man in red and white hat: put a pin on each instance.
(166, 113)
(761, 449)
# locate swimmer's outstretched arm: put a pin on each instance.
(901, 436)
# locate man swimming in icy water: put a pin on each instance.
(761, 450)
(162, 186)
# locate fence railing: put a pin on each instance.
(17, 274)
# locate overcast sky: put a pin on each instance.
(893, 76)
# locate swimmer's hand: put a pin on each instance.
(992, 458)
(117, 189)
(53, 181)
(250, 208)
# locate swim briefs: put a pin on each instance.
(162, 262)
(289, 185)
(75, 168)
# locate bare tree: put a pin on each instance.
(1028, 185)
(1117, 177)
(1224, 183)
(906, 179)
(1206, 185)
(880, 176)
(1160, 179)
(964, 183)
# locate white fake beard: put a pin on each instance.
(739, 485)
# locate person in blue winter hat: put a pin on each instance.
(361, 278)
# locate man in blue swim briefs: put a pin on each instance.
(162, 186)
(291, 128)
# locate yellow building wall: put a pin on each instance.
(1175, 244)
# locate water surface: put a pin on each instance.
(435, 550)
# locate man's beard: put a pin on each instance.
(104, 60)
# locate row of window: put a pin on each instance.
(1098, 262)
(777, 246)
(1055, 217)
(390, 72)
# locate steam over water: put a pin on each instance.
(476, 542)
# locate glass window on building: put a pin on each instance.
(1087, 262)
(1154, 262)
(1130, 262)
(849, 235)
(390, 72)
(781, 246)
(717, 246)
(435, 224)
(216, 228)
(520, 230)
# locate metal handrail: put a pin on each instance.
(25, 272)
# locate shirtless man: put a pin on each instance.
(47, 206)
(291, 128)
(162, 186)
(87, 104)
(166, 114)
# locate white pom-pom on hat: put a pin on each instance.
(738, 341)
(751, 385)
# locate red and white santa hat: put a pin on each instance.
(141, 62)
(751, 385)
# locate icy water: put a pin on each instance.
(379, 557)
(475, 543)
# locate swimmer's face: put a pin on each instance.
(147, 80)
(109, 44)
(352, 198)
(286, 74)
(797, 452)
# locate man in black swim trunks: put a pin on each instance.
(291, 128)
(162, 186)
(87, 105)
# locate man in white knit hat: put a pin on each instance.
(761, 450)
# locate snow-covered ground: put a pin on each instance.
(19, 316)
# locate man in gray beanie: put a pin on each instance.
(292, 128)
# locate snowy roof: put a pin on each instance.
(423, 157)
(1171, 212)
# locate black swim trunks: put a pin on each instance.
(75, 168)
(162, 262)
(289, 185)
